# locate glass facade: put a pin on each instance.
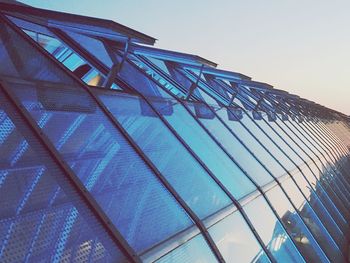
(115, 151)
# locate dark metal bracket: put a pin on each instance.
(194, 84)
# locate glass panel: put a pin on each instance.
(333, 191)
(81, 68)
(42, 218)
(107, 165)
(184, 124)
(303, 239)
(321, 210)
(188, 178)
(209, 152)
(99, 155)
(94, 46)
(195, 250)
(251, 144)
(311, 220)
(235, 148)
(235, 240)
(280, 128)
(275, 136)
(20, 60)
(271, 231)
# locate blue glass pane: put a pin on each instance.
(253, 126)
(312, 221)
(209, 152)
(291, 139)
(323, 136)
(94, 46)
(253, 144)
(183, 172)
(131, 75)
(20, 60)
(63, 53)
(235, 240)
(282, 142)
(271, 231)
(295, 227)
(323, 177)
(195, 250)
(321, 211)
(107, 165)
(236, 149)
(42, 219)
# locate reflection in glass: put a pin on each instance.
(236, 241)
(271, 231)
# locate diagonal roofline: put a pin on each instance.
(44, 14)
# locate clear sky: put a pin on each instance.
(299, 46)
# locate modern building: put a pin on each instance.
(112, 150)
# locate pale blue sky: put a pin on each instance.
(298, 46)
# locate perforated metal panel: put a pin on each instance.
(42, 218)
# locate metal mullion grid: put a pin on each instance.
(304, 143)
(271, 127)
(288, 196)
(323, 141)
(301, 170)
(340, 149)
(308, 148)
(149, 163)
(317, 166)
(69, 174)
(148, 102)
(257, 186)
(203, 165)
(339, 140)
(195, 156)
(64, 167)
(276, 180)
(135, 258)
(337, 152)
(290, 175)
(343, 129)
(336, 167)
(160, 177)
(282, 139)
(235, 202)
(155, 170)
(292, 149)
(330, 187)
(238, 205)
(229, 155)
(298, 154)
(332, 138)
(94, 62)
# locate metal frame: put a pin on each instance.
(66, 170)
(138, 150)
(209, 94)
(289, 198)
(95, 62)
(224, 150)
(301, 106)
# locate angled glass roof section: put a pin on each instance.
(171, 56)
(88, 25)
